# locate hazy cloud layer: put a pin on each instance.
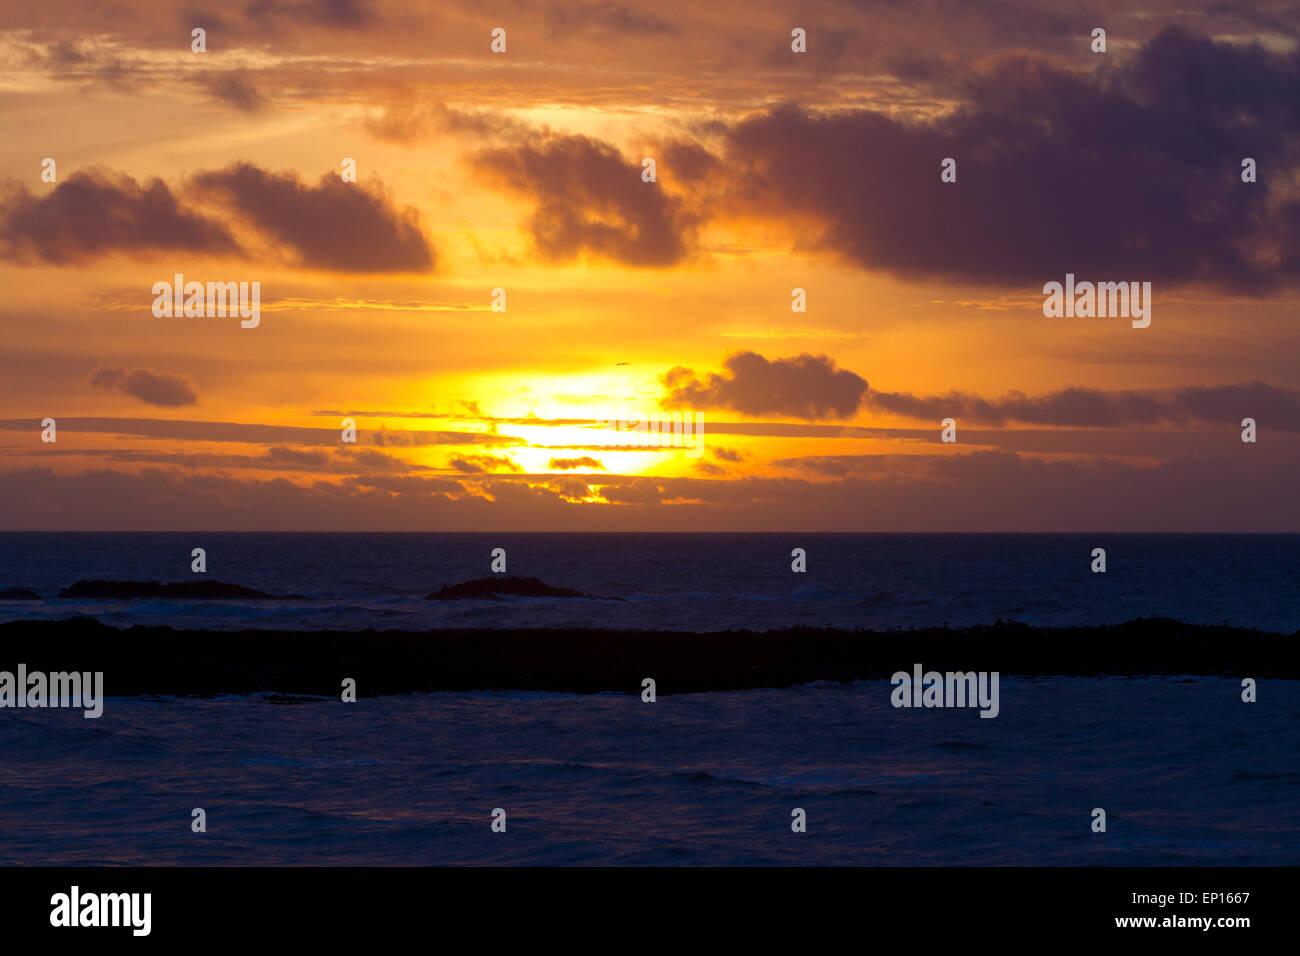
(1090, 407)
(981, 491)
(181, 430)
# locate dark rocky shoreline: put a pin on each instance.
(163, 660)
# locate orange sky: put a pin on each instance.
(521, 171)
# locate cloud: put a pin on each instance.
(639, 491)
(375, 460)
(806, 386)
(236, 89)
(408, 122)
(605, 17)
(1093, 408)
(346, 227)
(344, 461)
(182, 430)
(479, 464)
(834, 466)
(1270, 406)
(97, 212)
(334, 14)
(685, 161)
(1130, 172)
(567, 464)
(89, 62)
(979, 491)
(280, 455)
(590, 200)
(1070, 406)
(153, 388)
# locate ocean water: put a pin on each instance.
(675, 581)
(1187, 773)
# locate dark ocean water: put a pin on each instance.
(1187, 772)
(676, 581)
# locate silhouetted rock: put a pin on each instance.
(18, 594)
(186, 591)
(502, 587)
(160, 660)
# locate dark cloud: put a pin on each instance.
(638, 491)
(1126, 172)
(66, 53)
(606, 17)
(1070, 406)
(1093, 408)
(88, 63)
(335, 225)
(567, 464)
(347, 227)
(916, 66)
(333, 14)
(97, 212)
(806, 386)
(236, 89)
(378, 461)
(834, 466)
(590, 199)
(153, 388)
(480, 464)
(684, 161)
(1284, 18)
(1270, 406)
(829, 49)
(280, 455)
(257, 20)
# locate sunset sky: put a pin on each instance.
(775, 170)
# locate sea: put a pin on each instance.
(1186, 772)
(691, 582)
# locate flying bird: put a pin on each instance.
(617, 364)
